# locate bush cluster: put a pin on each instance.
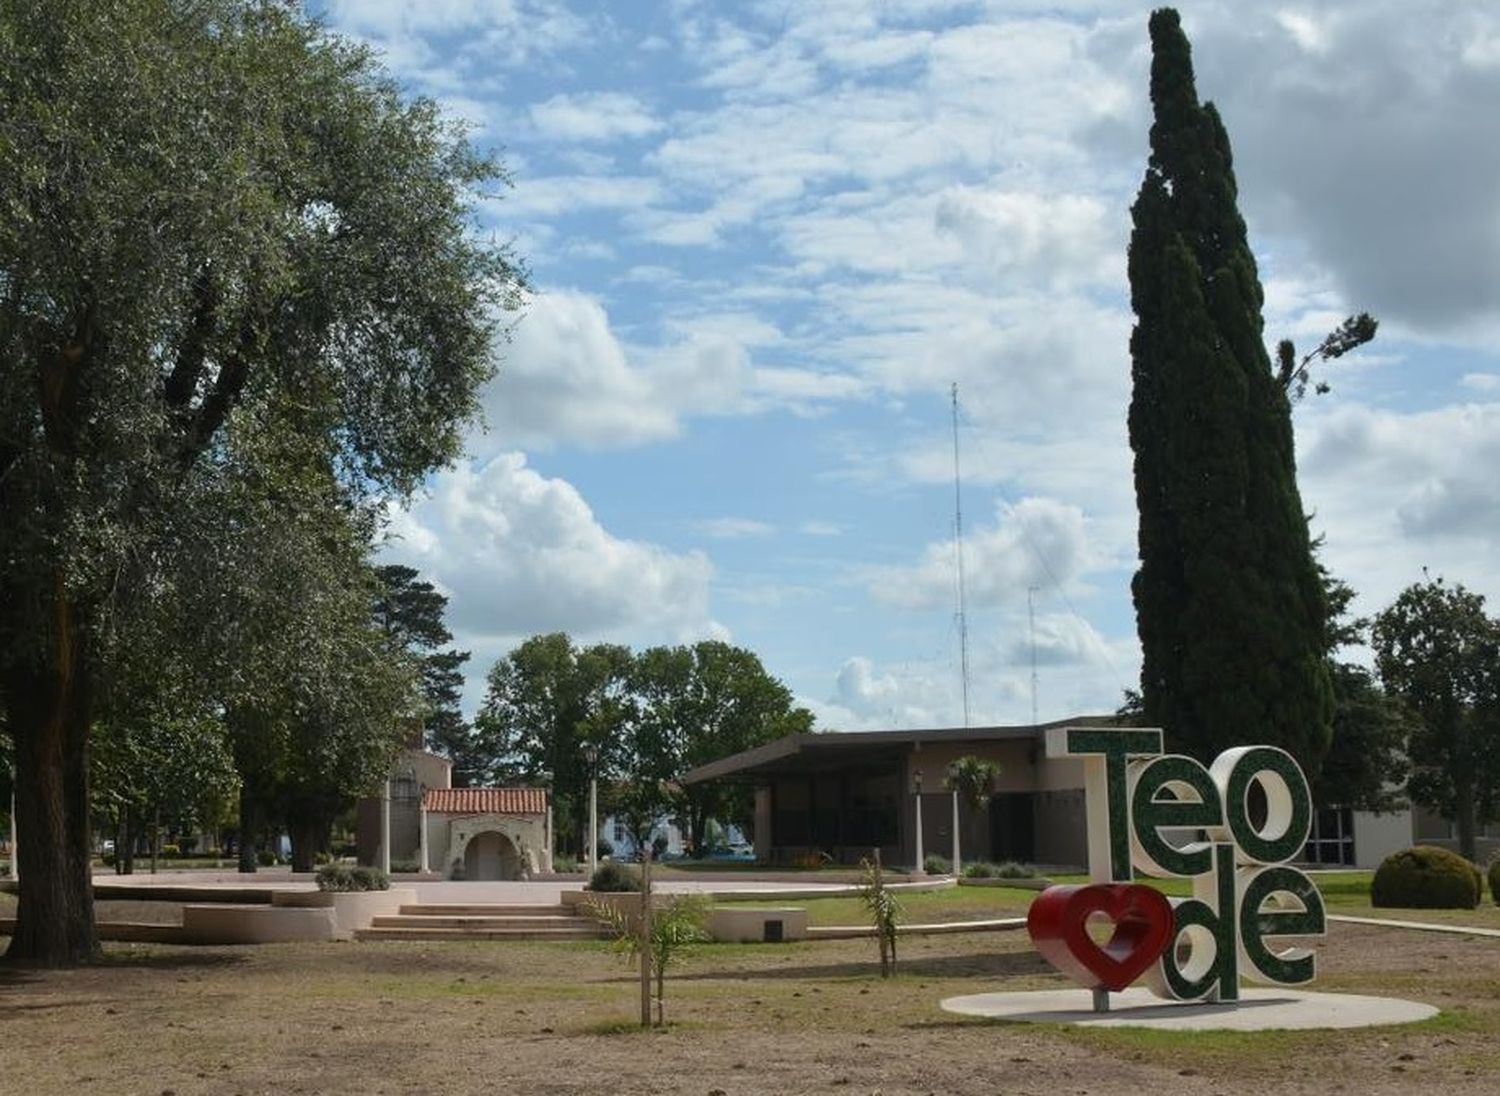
(345, 878)
(982, 869)
(934, 864)
(612, 877)
(1494, 875)
(1426, 877)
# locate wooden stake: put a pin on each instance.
(646, 936)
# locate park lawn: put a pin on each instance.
(920, 907)
(809, 1018)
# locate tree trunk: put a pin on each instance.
(304, 831)
(125, 844)
(48, 714)
(1463, 809)
(248, 823)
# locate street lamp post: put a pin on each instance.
(916, 787)
(591, 755)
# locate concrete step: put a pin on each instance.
(485, 921)
(428, 932)
(479, 909)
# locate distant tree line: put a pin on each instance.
(644, 717)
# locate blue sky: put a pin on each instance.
(767, 237)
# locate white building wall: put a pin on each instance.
(1376, 836)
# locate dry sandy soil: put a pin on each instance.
(807, 1018)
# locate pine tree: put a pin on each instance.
(1228, 600)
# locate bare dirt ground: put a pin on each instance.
(806, 1018)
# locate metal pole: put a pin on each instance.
(921, 868)
(385, 827)
(593, 823)
(646, 936)
(957, 863)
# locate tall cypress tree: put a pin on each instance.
(1228, 600)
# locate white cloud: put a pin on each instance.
(565, 377)
(1037, 542)
(599, 116)
(521, 553)
(733, 528)
(1396, 491)
(1056, 241)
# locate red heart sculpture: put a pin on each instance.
(1143, 928)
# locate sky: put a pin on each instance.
(767, 238)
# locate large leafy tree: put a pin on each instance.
(212, 214)
(1228, 600)
(1436, 648)
(545, 702)
(700, 703)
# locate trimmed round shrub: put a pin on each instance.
(1425, 877)
(344, 878)
(936, 865)
(1495, 880)
(611, 877)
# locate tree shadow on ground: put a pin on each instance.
(977, 965)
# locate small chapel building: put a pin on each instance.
(456, 833)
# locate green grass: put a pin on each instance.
(922, 907)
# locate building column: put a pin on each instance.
(384, 863)
(422, 837)
(958, 867)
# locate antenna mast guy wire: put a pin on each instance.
(958, 550)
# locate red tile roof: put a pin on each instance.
(486, 800)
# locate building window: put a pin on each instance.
(1332, 838)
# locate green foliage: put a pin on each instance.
(651, 717)
(410, 613)
(346, 878)
(1228, 600)
(885, 913)
(1437, 650)
(1007, 870)
(677, 923)
(1294, 376)
(614, 877)
(1493, 878)
(974, 780)
(545, 701)
(693, 705)
(933, 864)
(1426, 877)
(1366, 766)
(239, 291)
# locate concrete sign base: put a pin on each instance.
(1257, 1010)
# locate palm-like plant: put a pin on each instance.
(676, 925)
(972, 780)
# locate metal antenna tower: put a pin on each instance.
(958, 551)
(1031, 624)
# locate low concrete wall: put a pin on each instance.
(736, 925)
(229, 924)
(352, 909)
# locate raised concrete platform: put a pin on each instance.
(1259, 1010)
